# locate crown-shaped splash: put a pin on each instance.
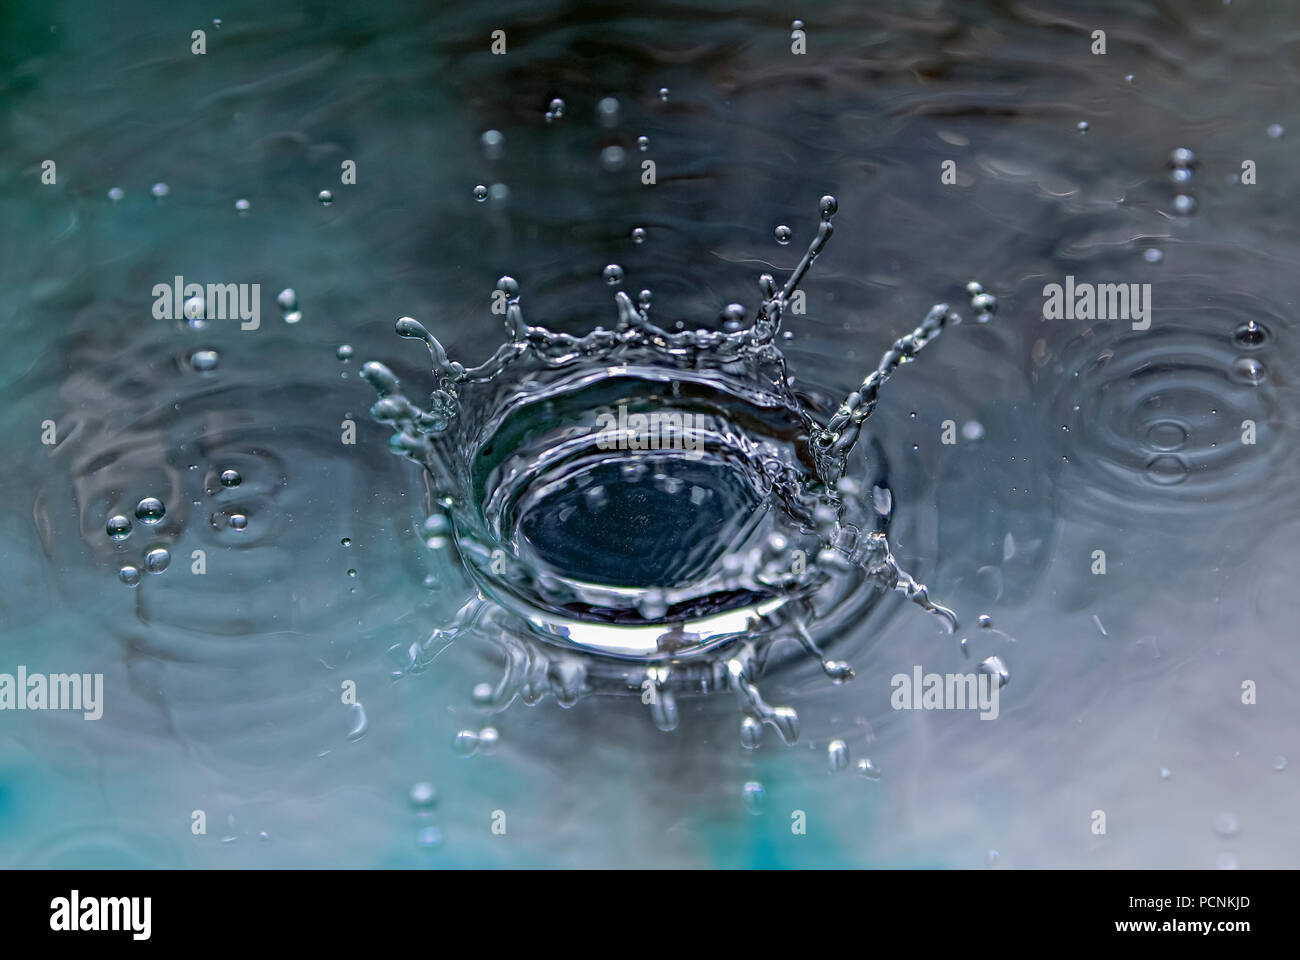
(642, 510)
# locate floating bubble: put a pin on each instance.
(118, 527)
(157, 560)
(150, 510)
(130, 575)
(1250, 333)
(1250, 371)
(783, 234)
(480, 193)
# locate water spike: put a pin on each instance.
(875, 557)
(837, 670)
(824, 231)
(628, 315)
(832, 444)
(414, 329)
(784, 719)
(380, 377)
(663, 704)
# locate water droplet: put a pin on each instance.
(1226, 824)
(995, 667)
(1167, 470)
(868, 769)
(1183, 203)
(607, 111)
(837, 755)
(1082, 126)
(480, 193)
(754, 796)
(482, 693)
(828, 206)
(488, 738)
(494, 144)
(326, 197)
(783, 234)
(238, 521)
(115, 194)
(612, 274)
(1250, 333)
(663, 93)
(150, 510)
(465, 742)
(1152, 255)
(1249, 371)
(985, 621)
(557, 107)
(1181, 175)
(346, 541)
(643, 143)
(242, 206)
(638, 235)
(287, 299)
(344, 352)
(118, 527)
(293, 316)
(204, 361)
(352, 574)
(230, 478)
(1275, 130)
(1165, 773)
(424, 794)
(130, 575)
(613, 157)
(1182, 157)
(157, 560)
(751, 733)
(429, 837)
(160, 190)
(1279, 763)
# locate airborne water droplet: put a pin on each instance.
(325, 197)
(157, 560)
(230, 478)
(638, 235)
(129, 574)
(424, 795)
(480, 193)
(1250, 371)
(1250, 333)
(150, 510)
(783, 234)
(868, 769)
(118, 527)
(837, 755)
(612, 274)
(754, 795)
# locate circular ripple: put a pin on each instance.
(1168, 421)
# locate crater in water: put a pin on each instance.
(645, 511)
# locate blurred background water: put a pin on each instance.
(223, 690)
